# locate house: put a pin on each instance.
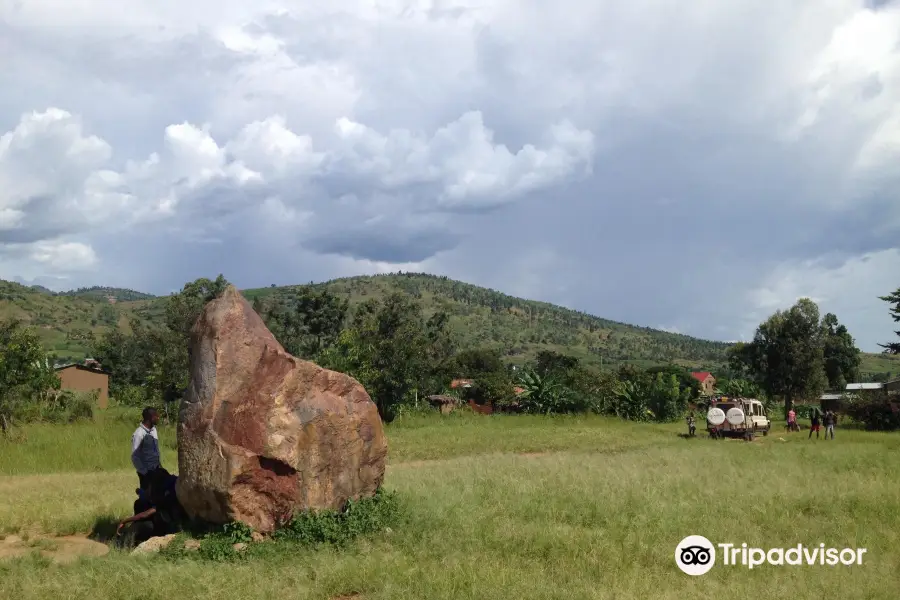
(85, 377)
(707, 382)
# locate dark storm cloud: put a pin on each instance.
(703, 192)
(381, 244)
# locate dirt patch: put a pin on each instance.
(61, 550)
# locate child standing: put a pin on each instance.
(816, 424)
(792, 420)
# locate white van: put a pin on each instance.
(731, 417)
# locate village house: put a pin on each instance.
(707, 382)
(85, 377)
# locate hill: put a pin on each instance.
(478, 316)
(68, 322)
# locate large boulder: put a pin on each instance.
(262, 434)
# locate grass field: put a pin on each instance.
(499, 507)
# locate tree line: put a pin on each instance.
(402, 354)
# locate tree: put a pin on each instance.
(476, 362)
(549, 362)
(311, 323)
(389, 343)
(787, 354)
(25, 369)
(157, 359)
(894, 299)
(183, 308)
(842, 358)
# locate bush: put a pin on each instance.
(360, 517)
(57, 406)
(335, 528)
(879, 412)
(134, 396)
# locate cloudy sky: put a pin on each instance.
(691, 166)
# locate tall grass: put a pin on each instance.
(515, 507)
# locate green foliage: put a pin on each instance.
(337, 528)
(544, 395)
(26, 372)
(358, 518)
(155, 360)
(58, 406)
(787, 355)
(108, 315)
(842, 357)
(878, 411)
(307, 323)
(392, 350)
(492, 388)
(894, 301)
(519, 329)
(476, 317)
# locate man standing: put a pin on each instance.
(145, 446)
(829, 424)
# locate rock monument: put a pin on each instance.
(262, 434)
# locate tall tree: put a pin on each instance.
(310, 323)
(894, 300)
(386, 349)
(787, 354)
(842, 358)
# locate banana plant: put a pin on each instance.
(542, 394)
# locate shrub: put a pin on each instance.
(335, 528)
(878, 412)
(359, 517)
(134, 396)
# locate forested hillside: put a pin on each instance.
(482, 317)
(69, 322)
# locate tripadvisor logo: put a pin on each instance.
(696, 555)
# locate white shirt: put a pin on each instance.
(145, 449)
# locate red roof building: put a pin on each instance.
(707, 382)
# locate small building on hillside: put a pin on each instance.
(707, 382)
(85, 377)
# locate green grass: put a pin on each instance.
(874, 364)
(501, 507)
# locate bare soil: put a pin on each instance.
(61, 550)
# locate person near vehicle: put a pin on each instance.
(829, 424)
(692, 427)
(157, 511)
(145, 446)
(792, 420)
(815, 425)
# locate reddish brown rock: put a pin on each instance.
(263, 434)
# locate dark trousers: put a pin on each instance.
(144, 478)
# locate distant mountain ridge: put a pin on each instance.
(479, 317)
